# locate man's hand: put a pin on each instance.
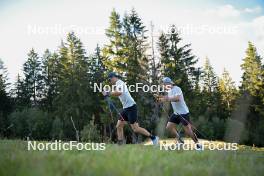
(163, 99)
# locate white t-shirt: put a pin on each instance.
(180, 106)
(125, 97)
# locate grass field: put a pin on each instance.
(128, 160)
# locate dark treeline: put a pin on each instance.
(57, 88)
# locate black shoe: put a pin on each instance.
(198, 147)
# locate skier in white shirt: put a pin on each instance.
(129, 113)
(180, 111)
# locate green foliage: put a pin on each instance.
(32, 73)
(19, 119)
(228, 91)
(257, 138)
(253, 87)
(209, 77)
(235, 131)
(213, 128)
(3, 77)
(22, 99)
(90, 133)
(5, 101)
(49, 77)
(97, 75)
(210, 97)
(252, 79)
(74, 98)
(57, 129)
(32, 123)
(177, 60)
(114, 51)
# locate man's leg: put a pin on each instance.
(188, 130)
(137, 129)
(172, 128)
(119, 129)
(132, 118)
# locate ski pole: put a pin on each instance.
(112, 106)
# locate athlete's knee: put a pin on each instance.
(188, 128)
(169, 127)
(135, 128)
(119, 125)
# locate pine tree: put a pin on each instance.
(135, 46)
(5, 100)
(252, 89)
(97, 76)
(32, 73)
(252, 79)
(125, 52)
(50, 78)
(138, 69)
(210, 95)
(73, 98)
(22, 98)
(3, 77)
(97, 68)
(178, 63)
(114, 51)
(228, 91)
(209, 78)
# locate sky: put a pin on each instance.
(219, 30)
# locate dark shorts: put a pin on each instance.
(129, 114)
(183, 118)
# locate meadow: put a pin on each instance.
(128, 160)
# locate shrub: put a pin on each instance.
(90, 133)
(57, 129)
(31, 122)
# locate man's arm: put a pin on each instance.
(171, 99)
(117, 92)
(113, 93)
(174, 98)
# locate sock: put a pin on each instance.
(152, 137)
